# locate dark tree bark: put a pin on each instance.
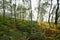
(3, 11)
(56, 14)
(54, 8)
(49, 12)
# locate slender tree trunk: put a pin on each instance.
(49, 12)
(38, 10)
(3, 12)
(11, 8)
(31, 9)
(15, 12)
(56, 14)
(20, 15)
(41, 17)
(53, 13)
(23, 15)
(23, 11)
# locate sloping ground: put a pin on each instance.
(25, 30)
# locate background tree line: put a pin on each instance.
(24, 11)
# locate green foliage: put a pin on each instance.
(23, 30)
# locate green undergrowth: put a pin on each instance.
(21, 30)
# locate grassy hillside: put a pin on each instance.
(25, 30)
